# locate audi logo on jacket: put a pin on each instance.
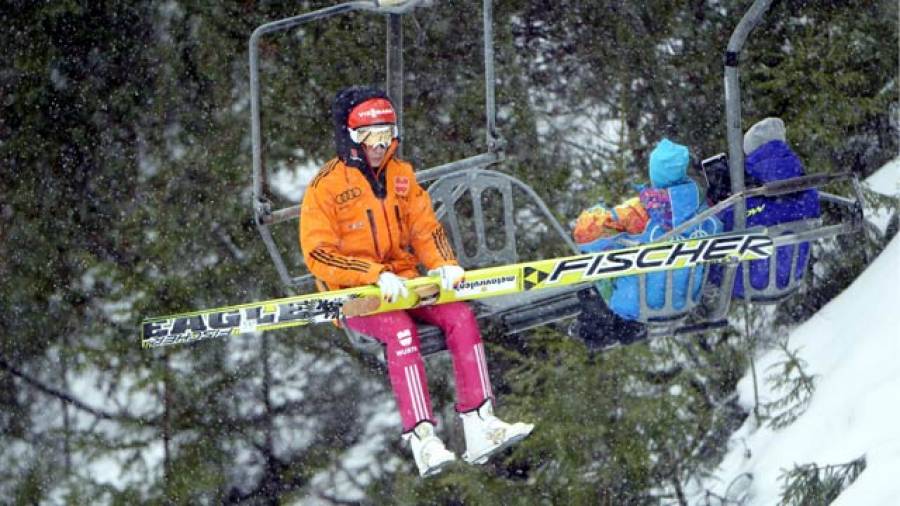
(348, 195)
(349, 235)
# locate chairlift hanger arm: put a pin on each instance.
(378, 6)
(733, 101)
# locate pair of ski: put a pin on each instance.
(478, 284)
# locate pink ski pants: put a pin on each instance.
(397, 331)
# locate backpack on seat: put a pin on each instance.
(599, 227)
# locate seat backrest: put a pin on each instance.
(476, 209)
(772, 280)
(673, 308)
(482, 212)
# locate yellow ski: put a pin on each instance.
(478, 284)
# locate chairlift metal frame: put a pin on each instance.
(448, 184)
(469, 177)
(787, 233)
(264, 215)
(713, 310)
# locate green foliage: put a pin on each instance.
(28, 490)
(814, 484)
(816, 69)
(795, 386)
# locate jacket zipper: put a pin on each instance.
(374, 233)
(388, 223)
(399, 223)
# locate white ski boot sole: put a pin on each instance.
(485, 455)
(437, 468)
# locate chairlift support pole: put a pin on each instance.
(733, 104)
(735, 136)
(394, 64)
(494, 140)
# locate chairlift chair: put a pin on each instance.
(702, 314)
(462, 183)
(718, 300)
(493, 242)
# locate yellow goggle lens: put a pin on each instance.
(375, 136)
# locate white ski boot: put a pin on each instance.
(429, 451)
(486, 434)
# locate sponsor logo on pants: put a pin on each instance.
(405, 337)
(407, 351)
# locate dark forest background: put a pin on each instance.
(125, 193)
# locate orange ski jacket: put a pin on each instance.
(349, 235)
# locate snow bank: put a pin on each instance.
(853, 348)
(887, 179)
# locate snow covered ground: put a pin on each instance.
(887, 179)
(853, 347)
(887, 182)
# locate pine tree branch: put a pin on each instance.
(59, 394)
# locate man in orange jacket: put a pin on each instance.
(365, 220)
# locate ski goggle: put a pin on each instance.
(374, 136)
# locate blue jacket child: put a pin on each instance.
(672, 199)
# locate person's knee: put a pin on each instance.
(460, 319)
(446, 315)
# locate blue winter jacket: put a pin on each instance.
(772, 161)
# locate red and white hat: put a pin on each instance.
(375, 111)
(373, 122)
